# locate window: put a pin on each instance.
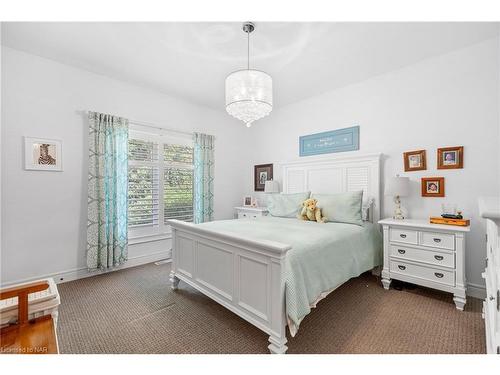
(143, 183)
(160, 182)
(178, 182)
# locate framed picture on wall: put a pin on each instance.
(262, 173)
(42, 154)
(432, 186)
(450, 157)
(415, 160)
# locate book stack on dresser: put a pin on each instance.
(431, 255)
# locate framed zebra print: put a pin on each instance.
(42, 154)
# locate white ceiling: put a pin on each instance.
(191, 60)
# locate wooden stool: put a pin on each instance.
(35, 336)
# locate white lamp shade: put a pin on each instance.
(397, 186)
(249, 95)
(272, 187)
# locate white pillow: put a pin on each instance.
(286, 205)
(341, 207)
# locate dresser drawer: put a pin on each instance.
(248, 215)
(426, 256)
(423, 272)
(404, 235)
(438, 240)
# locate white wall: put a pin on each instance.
(444, 101)
(44, 213)
(449, 100)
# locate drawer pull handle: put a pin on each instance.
(402, 235)
(401, 251)
(402, 267)
(438, 257)
(438, 275)
(438, 240)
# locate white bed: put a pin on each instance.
(247, 274)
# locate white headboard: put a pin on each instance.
(336, 174)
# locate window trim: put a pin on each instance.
(161, 231)
(149, 238)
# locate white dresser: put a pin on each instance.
(251, 212)
(431, 255)
(489, 209)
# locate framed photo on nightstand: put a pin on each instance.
(247, 201)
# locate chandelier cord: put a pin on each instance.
(248, 50)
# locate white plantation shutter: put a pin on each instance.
(143, 183)
(143, 196)
(178, 154)
(142, 150)
(178, 194)
(160, 182)
(178, 182)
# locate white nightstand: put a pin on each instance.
(431, 255)
(251, 212)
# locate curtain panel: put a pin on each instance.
(107, 220)
(204, 163)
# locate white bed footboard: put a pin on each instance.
(243, 275)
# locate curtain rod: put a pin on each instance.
(149, 125)
(153, 126)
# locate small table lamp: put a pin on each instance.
(271, 187)
(397, 187)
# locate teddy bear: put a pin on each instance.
(310, 211)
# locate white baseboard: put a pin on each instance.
(82, 272)
(473, 290)
(476, 291)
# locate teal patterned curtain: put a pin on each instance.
(203, 202)
(107, 240)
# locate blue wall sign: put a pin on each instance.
(332, 141)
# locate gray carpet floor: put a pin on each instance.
(135, 311)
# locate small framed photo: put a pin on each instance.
(42, 154)
(262, 173)
(248, 201)
(415, 160)
(432, 186)
(450, 157)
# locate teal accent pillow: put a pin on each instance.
(286, 205)
(342, 207)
